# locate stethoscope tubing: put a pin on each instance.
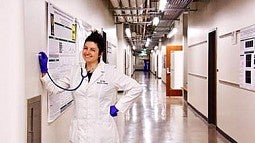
(68, 89)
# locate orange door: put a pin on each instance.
(169, 90)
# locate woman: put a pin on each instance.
(95, 100)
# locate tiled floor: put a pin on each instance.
(155, 118)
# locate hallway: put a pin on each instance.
(155, 118)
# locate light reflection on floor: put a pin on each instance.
(155, 118)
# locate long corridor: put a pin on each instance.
(155, 118)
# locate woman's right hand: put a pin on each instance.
(43, 60)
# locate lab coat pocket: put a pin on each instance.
(108, 132)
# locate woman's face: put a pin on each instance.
(90, 52)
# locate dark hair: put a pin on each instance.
(98, 39)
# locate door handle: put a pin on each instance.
(168, 71)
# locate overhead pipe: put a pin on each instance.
(140, 11)
(115, 4)
(134, 12)
(125, 4)
(145, 18)
(140, 18)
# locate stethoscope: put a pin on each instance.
(68, 89)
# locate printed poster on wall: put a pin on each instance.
(62, 52)
(247, 58)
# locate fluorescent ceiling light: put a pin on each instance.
(162, 4)
(155, 21)
(172, 33)
(147, 42)
(128, 32)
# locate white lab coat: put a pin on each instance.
(92, 122)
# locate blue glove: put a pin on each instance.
(43, 60)
(113, 111)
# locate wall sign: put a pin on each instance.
(62, 51)
(247, 58)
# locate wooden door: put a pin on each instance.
(169, 90)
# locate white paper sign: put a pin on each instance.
(62, 53)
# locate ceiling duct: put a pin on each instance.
(172, 10)
(134, 11)
(125, 5)
(138, 14)
(115, 4)
(140, 11)
(145, 18)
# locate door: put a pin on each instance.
(212, 71)
(169, 71)
(106, 46)
(34, 120)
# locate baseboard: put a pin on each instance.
(217, 128)
(225, 135)
(198, 112)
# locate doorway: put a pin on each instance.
(170, 71)
(212, 76)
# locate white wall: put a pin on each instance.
(93, 12)
(156, 62)
(12, 73)
(197, 73)
(121, 48)
(153, 62)
(133, 64)
(177, 39)
(112, 56)
(160, 66)
(128, 61)
(235, 106)
(163, 53)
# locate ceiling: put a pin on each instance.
(138, 16)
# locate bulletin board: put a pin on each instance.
(62, 52)
(247, 57)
